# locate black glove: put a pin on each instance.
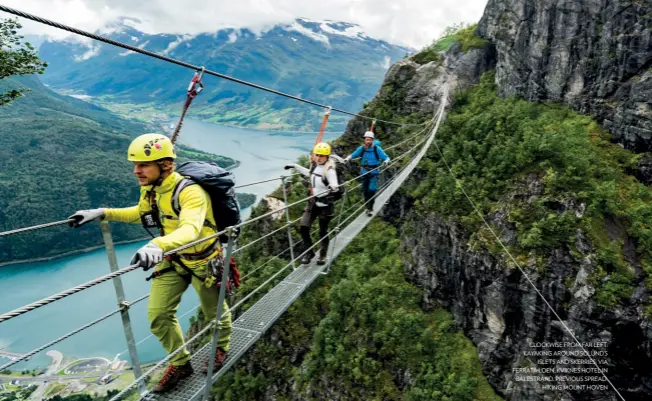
(288, 166)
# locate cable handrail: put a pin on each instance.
(240, 302)
(69, 334)
(266, 235)
(264, 181)
(181, 63)
(198, 305)
(36, 227)
(63, 294)
(99, 280)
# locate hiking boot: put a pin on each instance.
(307, 258)
(172, 376)
(322, 257)
(220, 356)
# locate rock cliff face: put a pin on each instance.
(503, 315)
(594, 55)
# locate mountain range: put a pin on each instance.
(333, 63)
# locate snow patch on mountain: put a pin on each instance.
(92, 51)
(297, 27)
(350, 30)
(176, 43)
(128, 52)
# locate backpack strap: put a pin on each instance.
(324, 177)
(376, 152)
(181, 185)
(176, 204)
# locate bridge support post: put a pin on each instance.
(218, 315)
(123, 304)
(337, 231)
(287, 219)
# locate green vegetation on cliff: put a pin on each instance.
(360, 334)
(553, 172)
(459, 33)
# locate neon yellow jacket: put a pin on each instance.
(189, 226)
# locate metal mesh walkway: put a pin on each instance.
(251, 325)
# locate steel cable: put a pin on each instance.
(66, 293)
(241, 302)
(178, 62)
(68, 335)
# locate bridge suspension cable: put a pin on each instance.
(203, 331)
(179, 62)
(99, 280)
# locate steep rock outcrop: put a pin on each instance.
(498, 308)
(594, 55)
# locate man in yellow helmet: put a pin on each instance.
(153, 156)
(323, 178)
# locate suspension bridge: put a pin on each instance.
(253, 322)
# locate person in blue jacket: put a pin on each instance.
(372, 156)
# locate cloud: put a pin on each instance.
(414, 23)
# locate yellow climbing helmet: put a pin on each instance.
(150, 147)
(322, 149)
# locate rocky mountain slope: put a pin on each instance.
(564, 214)
(329, 62)
(595, 56)
(586, 250)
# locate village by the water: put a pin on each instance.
(63, 376)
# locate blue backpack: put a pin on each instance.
(375, 148)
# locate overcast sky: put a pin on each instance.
(414, 23)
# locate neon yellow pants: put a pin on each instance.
(164, 300)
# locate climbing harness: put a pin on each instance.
(194, 88)
(214, 268)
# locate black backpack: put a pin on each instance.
(339, 171)
(218, 183)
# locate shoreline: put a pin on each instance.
(69, 253)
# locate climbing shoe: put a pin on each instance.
(307, 257)
(220, 356)
(172, 376)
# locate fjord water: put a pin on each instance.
(262, 156)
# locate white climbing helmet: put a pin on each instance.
(369, 134)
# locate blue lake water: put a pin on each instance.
(262, 156)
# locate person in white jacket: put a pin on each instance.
(323, 181)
